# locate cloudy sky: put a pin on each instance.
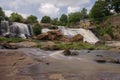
(39, 8)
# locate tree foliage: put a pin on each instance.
(63, 19)
(74, 17)
(15, 17)
(99, 11)
(83, 13)
(37, 29)
(54, 21)
(114, 5)
(2, 15)
(32, 19)
(46, 19)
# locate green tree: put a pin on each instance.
(32, 19)
(63, 19)
(54, 21)
(74, 17)
(113, 5)
(37, 29)
(15, 17)
(83, 13)
(46, 19)
(99, 11)
(116, 5)
(2, 15)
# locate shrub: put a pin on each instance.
(37, 29)
(106, 29)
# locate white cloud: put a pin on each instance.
(15, 4)
(45, 7)
(58, 2)
(73, 9)
(9, 12)
(49, 9)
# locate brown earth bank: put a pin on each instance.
(36, 64)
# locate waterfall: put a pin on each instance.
(21, 30)
(4, 28)
(16, 29)
(88, 36)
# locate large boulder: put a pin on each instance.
(52, 35)
(77, 37)
(67, 52)
(106, 37)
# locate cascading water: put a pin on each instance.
(4, 28)
(19, 29)
(87, 34)
(16, 29)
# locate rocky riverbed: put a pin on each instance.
(37, 64)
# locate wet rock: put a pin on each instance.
(108, 60)
(8, 46)
(100, 60)
(91, 48)
(49, 46)
(67, 52)
(99, 55)
(77, 37)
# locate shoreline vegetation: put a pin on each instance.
(57, 45)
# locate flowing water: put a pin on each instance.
(80, 67)
(88, 35)
(16, 29)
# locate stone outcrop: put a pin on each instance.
(52, 35)
(77, 37)
(106, 37)
(25, 44)
(67, 52)
(49, 46)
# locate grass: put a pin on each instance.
(75, 45)
(12, 40)
(81, 45)
(38, 43)
(59, 45)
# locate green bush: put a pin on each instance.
(106, 29)
(37, 29)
